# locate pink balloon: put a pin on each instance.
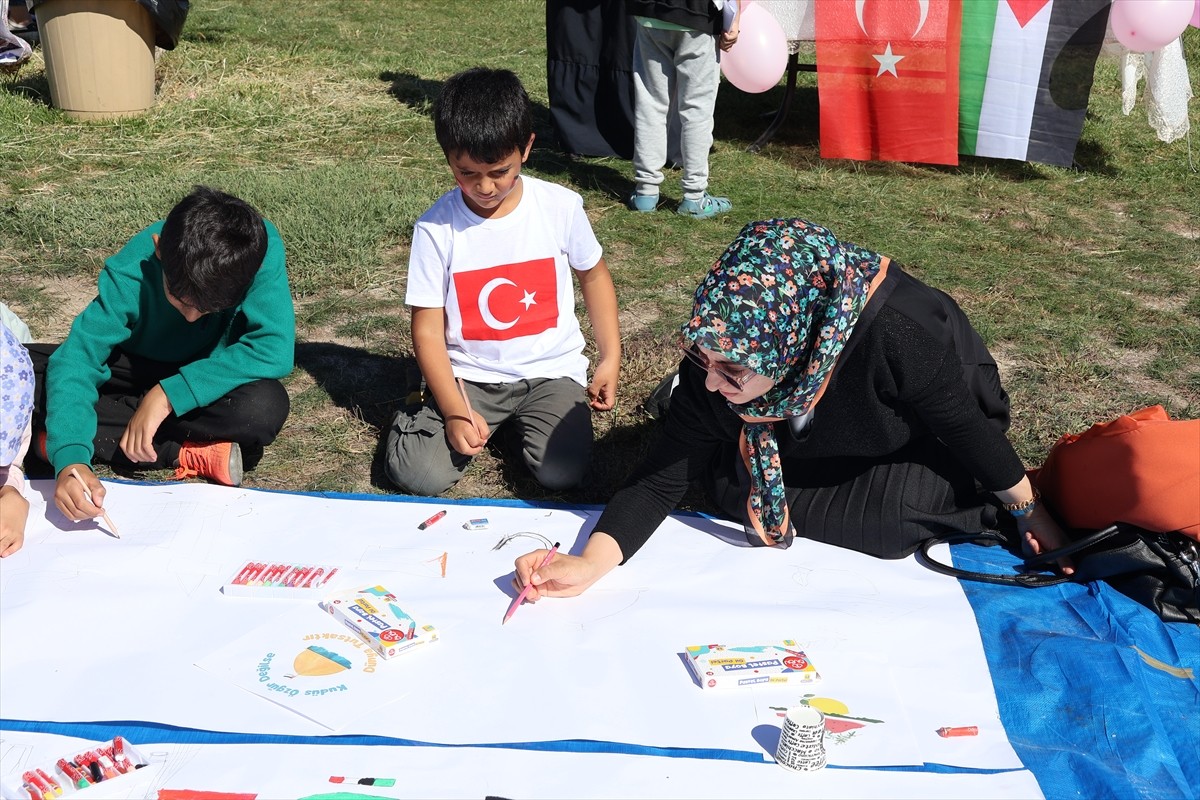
(1195, 22)
(759, 59)
(1146, 25)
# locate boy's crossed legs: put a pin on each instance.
(250, 416)
(548, 420)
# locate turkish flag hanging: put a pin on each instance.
(887, 79)
(508, 301)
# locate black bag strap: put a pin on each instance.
(1030, 580)
(1044, 560)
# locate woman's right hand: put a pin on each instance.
(567, 575)
(1040, 533)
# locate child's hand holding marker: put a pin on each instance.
(80, 498)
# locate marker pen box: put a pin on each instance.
(123, 784)
(374, 614)
(719, 666)
(278, 579)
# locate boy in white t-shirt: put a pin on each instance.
(494, 327)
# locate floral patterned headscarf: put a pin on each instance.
(16, 395)
(782, 301)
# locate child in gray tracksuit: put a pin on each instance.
(675, 52)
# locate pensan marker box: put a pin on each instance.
(718, 666)
(476, 524)
(375, 615)
(278, 579)
(77, 773)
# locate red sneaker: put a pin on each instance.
(219, 462)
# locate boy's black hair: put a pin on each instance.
(484, 113)
(211, 247)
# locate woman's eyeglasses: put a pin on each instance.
(694, 355)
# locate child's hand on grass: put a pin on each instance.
(602, 391)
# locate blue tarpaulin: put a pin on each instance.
(1099, 697)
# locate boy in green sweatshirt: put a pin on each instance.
(176, 361)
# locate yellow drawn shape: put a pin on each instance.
(1179, 672)
(828, 705)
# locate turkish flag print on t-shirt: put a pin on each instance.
(507, 301)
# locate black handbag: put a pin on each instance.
(1161, 571)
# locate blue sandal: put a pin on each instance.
(706, 207)
(643, 203)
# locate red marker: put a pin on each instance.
(431, 520)
(332, 572)
(100, 765)
(967, 730)
(274, 575)
(248, 572)
(35, 782)
(108, 753)
(73, 774)
(320, 571)
(54, 785)
(119, 755)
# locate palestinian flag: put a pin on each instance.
(887, 79)
(1026, 73)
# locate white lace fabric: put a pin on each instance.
(1168, 89)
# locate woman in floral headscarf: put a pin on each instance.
(826, 394)
(16, 408)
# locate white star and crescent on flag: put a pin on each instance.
(887, 59)
(508, 301)
(485, 298)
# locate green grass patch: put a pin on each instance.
(1085, 282)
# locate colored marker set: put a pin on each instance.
(74, 773)
(717, 666)
(373, 613)
(279, 580)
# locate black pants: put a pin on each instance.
(251, 415)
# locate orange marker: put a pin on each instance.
(968, 730)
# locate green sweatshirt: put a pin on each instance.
(219, 352)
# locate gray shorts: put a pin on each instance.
(547, 420)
